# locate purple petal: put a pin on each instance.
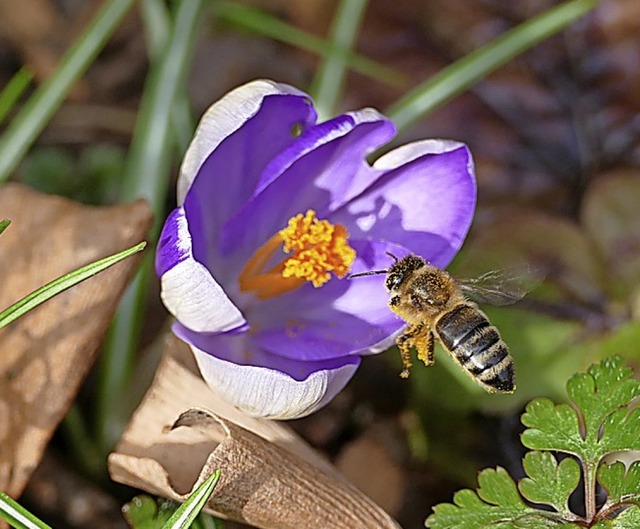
(425, 201)
(344, 317)
(262, 384)
(227, 177)
(323, 169)
(232, 112)
(187, 288)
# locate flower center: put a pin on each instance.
(316, 249)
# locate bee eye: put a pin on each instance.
(393, 281)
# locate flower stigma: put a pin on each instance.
(316, 249)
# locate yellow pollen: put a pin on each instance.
(317, 248)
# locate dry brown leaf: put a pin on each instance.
(270, 477)
(46, 354)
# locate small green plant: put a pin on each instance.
(600, 421)
(142, 512)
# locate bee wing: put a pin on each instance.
(501, 287)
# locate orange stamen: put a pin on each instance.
(317, 247)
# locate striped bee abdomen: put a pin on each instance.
(476, 344)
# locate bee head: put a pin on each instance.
(399, 270)
(402, 269)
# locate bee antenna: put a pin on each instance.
(370, 273)
(395, 259)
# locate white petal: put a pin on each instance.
(222, 119)
(188, 289)
(196, 300)
(405, 153)
(268, 393)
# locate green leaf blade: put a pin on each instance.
(622, 484)
(598, 393)
(549, 483)
(62, 283)
(35, 114)
(190, 509)
(326, 87)
(18, 516)
(497, 488)
(497, 504)
(473, 67)
(629, 519)
(147, 175)
(262, 23)
(145, 512)
(599, 424)
(13, 90)
(552, 427)
(620, 431)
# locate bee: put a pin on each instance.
(433, 303)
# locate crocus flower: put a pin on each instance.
(274, 211)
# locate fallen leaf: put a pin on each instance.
(47, 353)
(270, 477)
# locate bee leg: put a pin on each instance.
(405, 342)
(424, 346)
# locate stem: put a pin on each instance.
(590, 491)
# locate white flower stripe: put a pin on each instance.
(268, 393)
(188, 289)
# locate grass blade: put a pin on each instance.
(35, 114)
(13, 90)
(157, 25)
(56, 286)
(326, 88)
(148, 168)
(190, 509)
(463, 73)
(262, 23)
(17, 516)
(4, 224)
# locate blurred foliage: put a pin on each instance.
(93, 177)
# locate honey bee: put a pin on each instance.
(433, 303)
